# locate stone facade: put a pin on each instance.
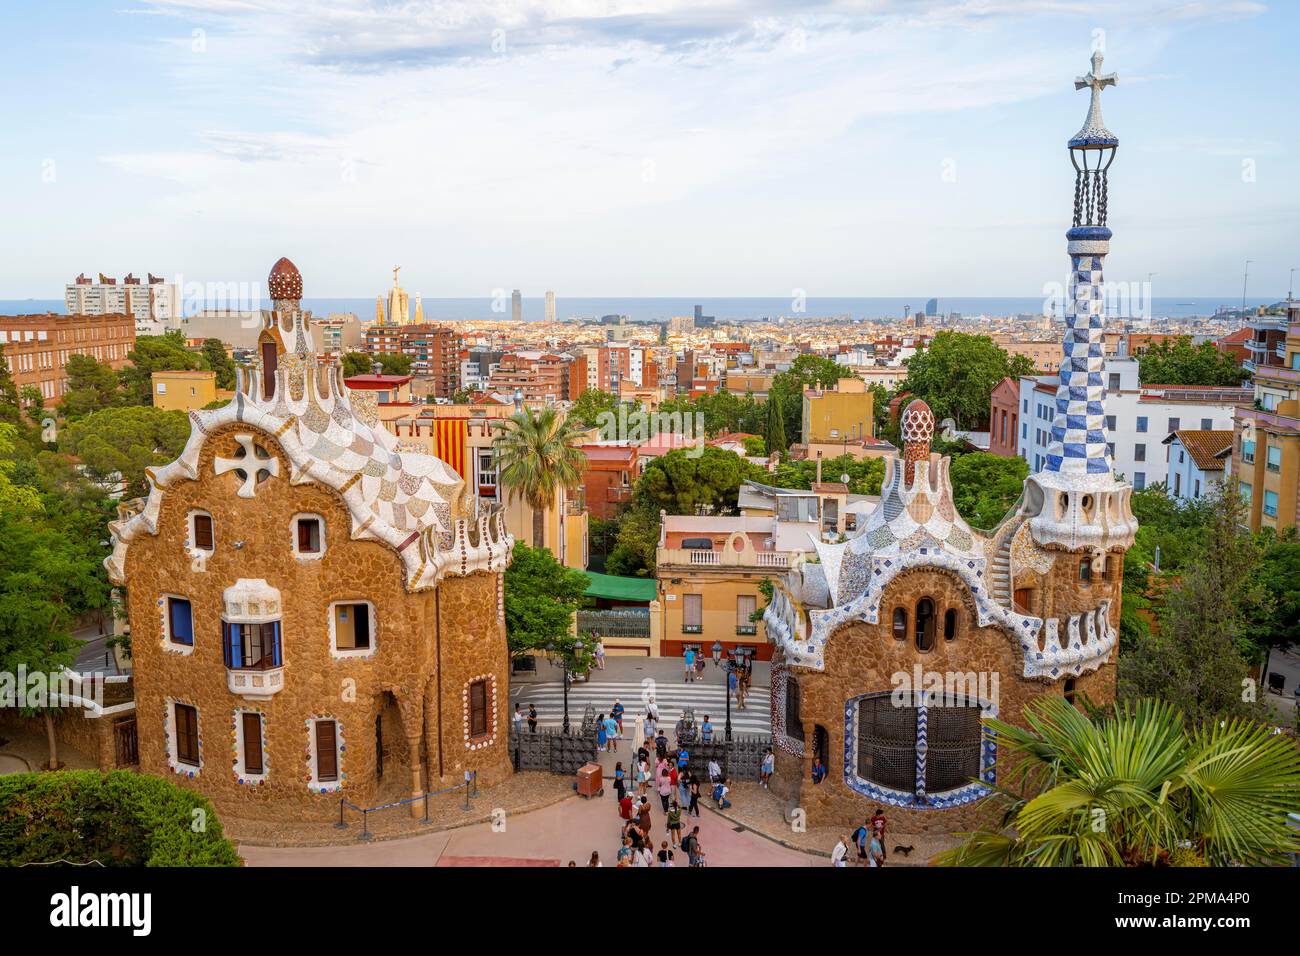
(429, 572)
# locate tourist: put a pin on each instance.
(643, 818)
(878, 829)
(648, 723)
(652, 709)
(840, 852)
(715, 772)
(675, 823)
(661, 744)
(601, 736)
(625, 852)
(684, 779)
(720, 791)
(683, 758)
(694, 808)
(617, 713)
(519, 721)
(532, 719)
(647, 855)
(633, 833)
(706, 730)
(665, 787)
(665, 854)
(691, 844)
(699, 667)
(861, 837)
(733, 682)
(600, 655)
(611, 734)
(595, 859)
(875, 852)
(769, 764)
(625, 806)
(818, 770)
(642, 776)
(620, 780)
(742, 688)
(689, 669)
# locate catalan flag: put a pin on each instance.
(450, 438)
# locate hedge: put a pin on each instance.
(119, 818)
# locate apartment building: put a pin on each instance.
(37, 347)
(1138, 418)
(154, 301)
(1265, 456)
(434, 351)
(837, 414)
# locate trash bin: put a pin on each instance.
(590, 783)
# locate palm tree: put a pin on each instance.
(1138, 788)
(537, 456)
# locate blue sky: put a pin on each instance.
(655, 147)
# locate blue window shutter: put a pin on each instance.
(236, 649)
(275, 647)
(182, 621)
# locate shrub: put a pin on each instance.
(118, 819)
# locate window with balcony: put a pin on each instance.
(692, 614)
(352, 628)
(251, 647)
(746, 604)
(180, 622)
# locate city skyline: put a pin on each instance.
(529, 147)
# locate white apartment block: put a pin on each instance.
(1138, 419)
(146, 302)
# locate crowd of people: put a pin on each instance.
(869, 841)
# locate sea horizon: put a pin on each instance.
(722, 308)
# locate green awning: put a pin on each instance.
(614, 588)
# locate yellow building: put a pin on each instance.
(186, 390)
(838, 414)
(1266, 447)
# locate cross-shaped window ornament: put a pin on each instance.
(253, 464)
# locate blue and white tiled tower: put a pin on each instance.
(1076, 501)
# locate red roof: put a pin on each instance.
(374, 382)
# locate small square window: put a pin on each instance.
(309, 535)
(352, 628)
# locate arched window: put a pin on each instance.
(900, 624)
(925, 624)
(949, 624)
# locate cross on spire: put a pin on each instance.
(1094, 132)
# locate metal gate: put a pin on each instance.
(126, 747)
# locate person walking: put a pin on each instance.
(643, 818)
(688, 660)
(617, 712)
(611, 735)
(684, 778)
(675, 823)
(642, 776)
(769, 765)
(715, 772)
(733, 684)
(665, 787)
(601, 736)
(683, 758)
(600, 655)
(878, 830)
(661, 744)
(691, 844)
(620, 780)
(532, 719)
(840, 852)
(742, 689)
(665, 855)
(694, 808)
(706, 730)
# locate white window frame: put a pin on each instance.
(293, 538)
(173, 749)
(343, 653)
(193, 535)
(167, 642)
(315, 784)
(241, 747)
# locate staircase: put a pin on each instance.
(1000, 575)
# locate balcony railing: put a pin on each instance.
(723, 557)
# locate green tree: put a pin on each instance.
(155, 353)
(687, 481)
(541, 596)
(1181, 363)
(865, 475)
(122, 442)
(755, 446)
(1164, 793)
(92, 385)
(10, 406)
(537, 455)
(806, 371)
(985, 486)
(633, 553)
(1209, 622)
(591, 404)
(775, 430)
(394, 363)
(356, 363)
(214, 353)
(956, 375)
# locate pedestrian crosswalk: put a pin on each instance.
(705, 697)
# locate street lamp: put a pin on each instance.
(564, 662)
(727, 670)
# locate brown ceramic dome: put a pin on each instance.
(285, 281)
(917, 423)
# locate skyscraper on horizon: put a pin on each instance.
(550, 306)
(516, 305)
